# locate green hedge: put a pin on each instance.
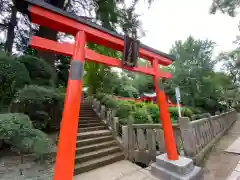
(109, 102)
(17, 131)
(13, 76)
(141, 112)
(153, 112)
(43, 105)
(141, 116)
(40, 71)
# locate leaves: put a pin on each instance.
(193, 72)
(17, 130)
(225, 6)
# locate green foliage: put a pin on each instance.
(143, 83)
(139, 105)
(110, 102)
(40, 71)
(124, 109)
(193, 72)
(173, 111)
(195, 110)
(13, 75)
(225, 6)
(43, 105)
(200, 116)
(141, 116)
(186, 112)
(100, 96)
(17, 130)
(153, 112)
(128, 91)
(132, 112)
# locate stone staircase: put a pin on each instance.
(96, 146)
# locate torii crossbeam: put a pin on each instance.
(84, 31)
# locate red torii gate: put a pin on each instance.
(84, 31)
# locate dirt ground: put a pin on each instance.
(31, 168)
(218, 164)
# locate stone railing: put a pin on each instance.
(143, 142)
(199, 136)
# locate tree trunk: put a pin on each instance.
(10, 32)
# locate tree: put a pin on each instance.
(9, 18)
(230, 65)
(10, 31)
(225, 6)
(193, 72)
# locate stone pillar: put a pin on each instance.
(189, 143)
(125, 140)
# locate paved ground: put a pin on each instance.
(236, 173)
(219, 165)
(122, 170)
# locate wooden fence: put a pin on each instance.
(143, 142)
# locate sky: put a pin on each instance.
(169, 20)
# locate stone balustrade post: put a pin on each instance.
(189, 143)
(125, 139)
(116, 126)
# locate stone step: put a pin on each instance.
(85, 106)
(85, 115)
(95, 147)
(100, 123)
(93, 164)
(82, 106)
(88, 129)
(96, 154)
(92, 134)
(86, 142)
(84, 121)
(87, 110)
(89, 117)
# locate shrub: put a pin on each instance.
(128, 91)
(17, 130)
(13, 75)
(43, 106)
(173, 113)
(124, 109)
(195, 110)
(40, 71)
(109, 101)
(186, 112)
(99, 96)
(140, 105)
(141, 116)
(153, 112)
